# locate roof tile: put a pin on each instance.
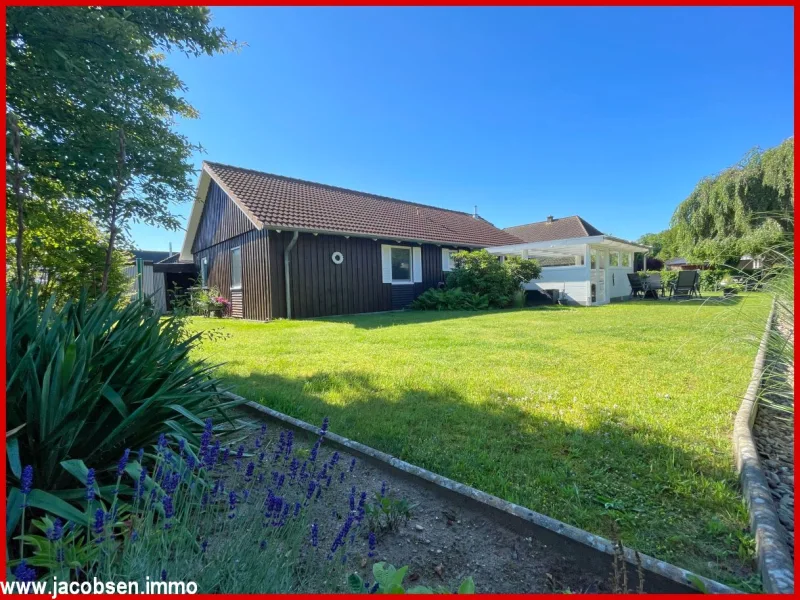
(557, 229)
(279, 201)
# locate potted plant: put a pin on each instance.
(219, 306)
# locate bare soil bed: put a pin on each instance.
(442, 543)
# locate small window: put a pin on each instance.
(613, 259)
(448, 262)
(401, 265)
(204, 271)
(626, 259)
(594, 259)
(236, 269)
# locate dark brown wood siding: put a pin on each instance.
(221, 220)
(319, 287)
(254, 296)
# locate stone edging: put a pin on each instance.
(774, 562)
(596, 552)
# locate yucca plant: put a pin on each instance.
(86, 381)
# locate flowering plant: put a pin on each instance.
(233, 520)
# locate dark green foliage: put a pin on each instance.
(86, 381)
(478, 272)
(389, 580)
(450, 299)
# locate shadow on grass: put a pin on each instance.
(666, 502)
(413, 317)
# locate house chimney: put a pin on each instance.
(475, 213)
(549, 218)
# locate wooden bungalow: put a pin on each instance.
(279, 247)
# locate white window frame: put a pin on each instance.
(410, 280)
(236, 287)
(204, 272)
(448, 264)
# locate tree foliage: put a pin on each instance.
(64, 251)
(479, 272)
(83, 80)
(742, 210)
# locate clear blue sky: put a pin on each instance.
(610, 113)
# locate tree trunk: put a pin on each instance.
(17, 189)
(112, 224)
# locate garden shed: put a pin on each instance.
(580, 264)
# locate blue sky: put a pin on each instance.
(610, 113)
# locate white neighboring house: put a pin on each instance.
(585, 266)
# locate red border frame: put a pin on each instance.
(585, 3)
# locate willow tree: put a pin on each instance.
(92, 87)
(745, 209)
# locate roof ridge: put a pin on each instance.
(545, 221)
(335, 187)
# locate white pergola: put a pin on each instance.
(584, 280)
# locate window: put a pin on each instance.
(626, 259)
(204, 271)
(594, 260)
(448, 262)
(613, 259)
(401, 265)
(236, 269)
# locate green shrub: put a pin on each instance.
(478, 272)
(88, 380)
(450, 299)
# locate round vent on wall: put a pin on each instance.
(337, 258)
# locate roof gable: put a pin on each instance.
(557, 229)
(280, 202)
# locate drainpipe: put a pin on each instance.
(286, 252)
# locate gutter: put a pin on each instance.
(286, 261)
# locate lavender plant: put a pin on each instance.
(232, 520)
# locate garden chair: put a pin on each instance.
(637, 287)
(686, 284)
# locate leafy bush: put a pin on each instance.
(231, 519)
(450, 299)
(478, 272)
(388, 512)
(86, 381)
(389, 580)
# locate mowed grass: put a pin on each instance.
(614, 417)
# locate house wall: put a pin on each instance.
(572, 282)
(319, 287)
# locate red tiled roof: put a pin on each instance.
(557, 229)
(283, 202)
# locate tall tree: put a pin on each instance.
(92, 87)
(742, 210)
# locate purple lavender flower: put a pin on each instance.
(99, 523)
(204, 546)
(374, 588)
(239, 454)
(311, 485)
(140, 455)
(324, 429)
(190, 462)
(23, 573)
(342, 535)
(372, 543)
(205, 440)
(296, 509)
(26, 481)
(289, 442)
(181, 446)
(303, 471)
(225, 453)
(352, 465)
(248, 474)
(169, 509)
(383, 489)
(90, 485)
(261, 456)
(55, 532)
(263, 429)
(280, 446)
(314, 534)
(293, 466)
(328, 481)
(162, 442)
(334, 459)
(281, 480)
(362, 500)
(314, 449)
(258, 443)
(163, 574)
(232, 504)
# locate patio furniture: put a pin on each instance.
(637, 286)
(686, 284)
(652, 285)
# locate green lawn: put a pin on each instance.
(620, 413)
